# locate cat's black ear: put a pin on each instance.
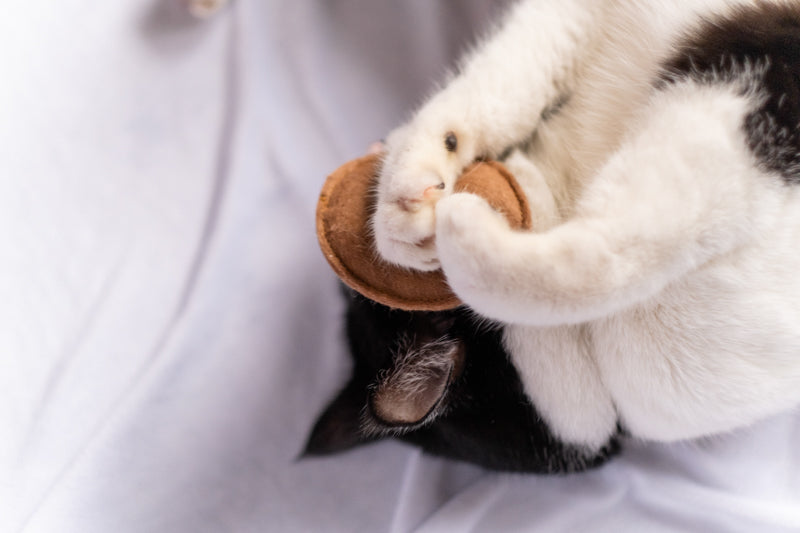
(338, 427)
(413, 392)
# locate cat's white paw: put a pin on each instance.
(405, 235)
(470, 238)
(420, 167)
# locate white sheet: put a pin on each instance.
(170, 329)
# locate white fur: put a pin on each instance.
(660, 285)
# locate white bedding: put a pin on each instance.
(169, 328)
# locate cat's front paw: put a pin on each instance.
(471, 236)
(420, 167)
(405, 233)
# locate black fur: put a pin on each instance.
(765, 38)
(486, 419)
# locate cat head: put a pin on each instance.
(441, 381)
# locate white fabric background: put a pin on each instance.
(170, 330)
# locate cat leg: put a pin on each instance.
(563, 382)
(495, 101)
(675, 194)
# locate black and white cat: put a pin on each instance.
(658, 144)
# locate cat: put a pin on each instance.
(658, 145)
(441, 381)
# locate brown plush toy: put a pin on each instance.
(343, 212)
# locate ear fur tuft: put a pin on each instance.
(413, 392)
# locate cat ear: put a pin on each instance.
(338, 427)
(413, 392)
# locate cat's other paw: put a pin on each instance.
(420, 166)
(405, 237)
(470, 238)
